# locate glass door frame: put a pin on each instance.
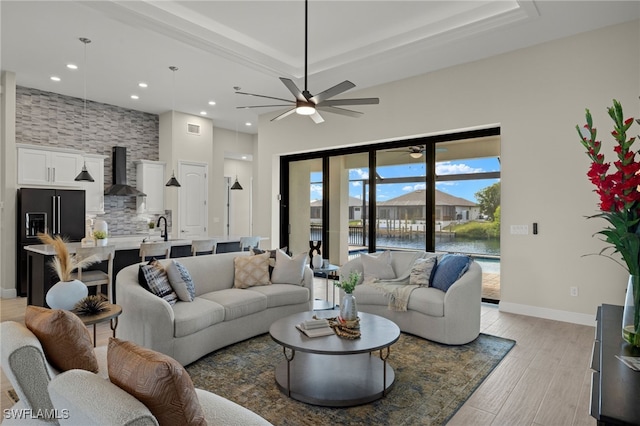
(430, 180)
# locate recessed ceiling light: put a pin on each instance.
(212, 102)
(203, 112)
(72, 66)
(143, 85)
(135, 97)
(244, 157)
(54, 78)
(247, 124)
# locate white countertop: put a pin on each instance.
(127, 243)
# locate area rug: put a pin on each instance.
(432, 382)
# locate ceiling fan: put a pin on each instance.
(415, 151)
(307, 104)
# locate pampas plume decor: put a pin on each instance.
(64, 263)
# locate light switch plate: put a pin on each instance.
(519, 229)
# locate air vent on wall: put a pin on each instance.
(193, 129)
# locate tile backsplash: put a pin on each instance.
(49, 119)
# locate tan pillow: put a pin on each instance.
(64, 338)
(251, 271)
(156, 380)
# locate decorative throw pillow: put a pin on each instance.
(158, 281)
(181, 281)
(449, 269)
(288, 270)
(156, 380)
(64, 338)
(378, 266)
(251, 271)
(422, 270)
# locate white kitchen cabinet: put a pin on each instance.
(48, 166)
(94, 191)
(150, 179)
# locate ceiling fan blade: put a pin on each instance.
(262, 106)
(267, 97)
(341, 111)
(332, 91)
(358, 101)
(293, 89)
(317, 118)
(283, 115)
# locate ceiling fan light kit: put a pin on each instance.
(307, 104)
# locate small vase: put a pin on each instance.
(316, 262)
(65, 294)
(631, 312)
(102, 242)
(348, 308)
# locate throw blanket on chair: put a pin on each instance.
(396, 290)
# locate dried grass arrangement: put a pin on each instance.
(64, 263)
(91, 305)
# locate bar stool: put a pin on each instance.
(96, 278)
(156, 249)
(246, 242)
(208, 246)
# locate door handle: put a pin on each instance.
(53, 214)
(58, 215)
(54, 174)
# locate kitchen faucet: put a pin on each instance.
(163, 234)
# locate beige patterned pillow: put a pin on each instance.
(251, 271)
(156, 380)
(64, 338)
(422, 270)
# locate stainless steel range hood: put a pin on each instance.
(119, 175)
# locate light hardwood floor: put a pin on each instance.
(544, 380)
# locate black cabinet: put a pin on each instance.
(615, 388)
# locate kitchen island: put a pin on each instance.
(40, 276)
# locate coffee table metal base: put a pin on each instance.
(335, 380)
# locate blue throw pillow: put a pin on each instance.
(449, 269)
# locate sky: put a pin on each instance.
(463, 189)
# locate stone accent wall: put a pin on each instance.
(49, 119)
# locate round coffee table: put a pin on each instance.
(331, 371)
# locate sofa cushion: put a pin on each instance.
(238, 303)
(190, 317)
(283, 294)
(65, 340)
(158, 281)
(422, 270)
(289, 270)
(370, 295)
(156, 380)
(378, 266)
(251, 271)
(428, 301)
(449, 269)
(181, 281)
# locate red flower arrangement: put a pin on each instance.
(618, 190)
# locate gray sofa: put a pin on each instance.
(219, 315)
(79, 397)
(451, 317)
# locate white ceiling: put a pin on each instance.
(221, 44)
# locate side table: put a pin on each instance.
(319, 305)
(111, 314)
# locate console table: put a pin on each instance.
(615, 388)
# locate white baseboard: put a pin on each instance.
(552, 314)
(8, 293)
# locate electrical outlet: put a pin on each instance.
(519, 229)
(573, 291)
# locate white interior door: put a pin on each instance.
(192, 199)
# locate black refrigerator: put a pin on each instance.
(54, 211)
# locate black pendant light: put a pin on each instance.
(236, 185)
(84, 175)
(173, 181)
